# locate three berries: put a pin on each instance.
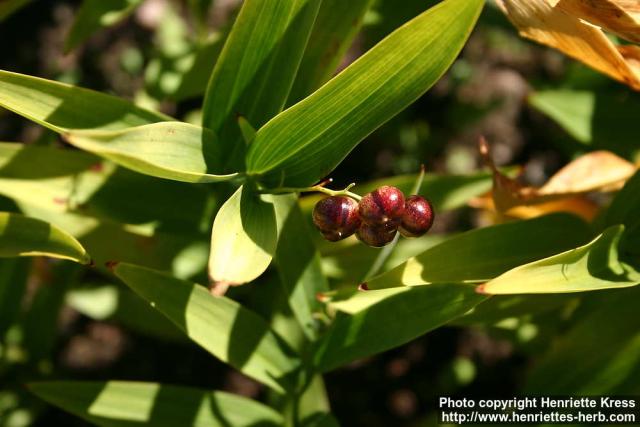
(376, 219)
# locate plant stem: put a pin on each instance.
(319, 189)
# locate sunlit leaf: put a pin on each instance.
(24, 236)
(621, 17)
(587, 268)
(305, 142)
(539, 21)
(128, 404)
(171, 150)
(94, 15)
(335, 27)
(61, 107)
(256, 68)
(373, 321)
(243, 239)
(223, 327)
(486, 253)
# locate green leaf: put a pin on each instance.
(9, 7)
(223, 327)
(128, 404)
(625, 209)
(23, 236)
(243, 238)
(482, 254)
(574, 366)
(305, 142)
(373, 321)
(256, 69)
(94, 15)
(587, 116)
(61, 107)
(171, 150)
(336, 25)
(13, 284)
(298, 264)
(587, 268)
(64, 180)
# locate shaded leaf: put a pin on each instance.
(223, 327)
(298, 264)
(373, 321)
(24, 236)
(256, 68)
(128, 404)
(613, 324)
(625, 209)
(243, 238)
(487, 252)
(587, 116)
(539, 21)
(9, 7)
(171, 150)
(587, 268)
(61, 107)
(13, 284)
(94, 15)
(336, 25)
(305, 142)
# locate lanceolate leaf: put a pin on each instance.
(61, 107)
(223, 327)
(482, 254)
(256, 68)
(308, 140)
(23, 236)
(96, 14)
(587, 268)
(243, 238)
(573, 366)
(373, 321)
(129, 404)
(337, 24)
(171, 150)
(625, 209)
(587, 116)
(298, 263)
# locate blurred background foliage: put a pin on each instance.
(538, 109)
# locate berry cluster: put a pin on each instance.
(376, 219)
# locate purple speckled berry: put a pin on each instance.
(417, 218)
(382, 206)
(336, 217)
(376, 235)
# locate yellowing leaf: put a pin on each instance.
(540, 21)
(621, 17)
(594, 171)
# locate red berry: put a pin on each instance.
(382, 206)
(417, 218)
(336, 217)
(376, 235)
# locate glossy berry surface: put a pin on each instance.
(376, 235)
(385, 205)
(417, 218)
(336, 217)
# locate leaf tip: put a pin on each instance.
(480, 289)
